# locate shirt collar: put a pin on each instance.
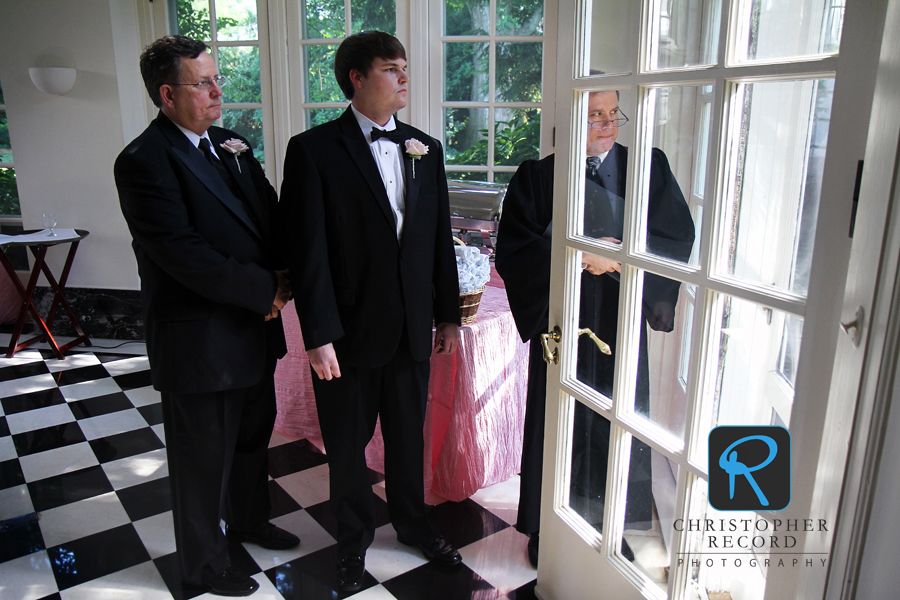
(195, 139)
(366, 124)
(603, 155)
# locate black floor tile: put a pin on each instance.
(32, 401)
(20, 540)
(130, 381)
(322, 514)
(146, 499)
(96, 555)
(313, 577)
(526, 592)
(48, 438)
(11, 474)
(442, 583)
(4, 427)
(463, 523)
(294, 456)
(282, 503)
(106, 357)
(100, 405)
(53, 596)
(68, 487)
(24, 370)
(123, 445)
(153, 413)
(80, 375)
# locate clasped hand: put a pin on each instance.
(282, 294)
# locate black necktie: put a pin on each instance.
(394, 136)
(593, 165)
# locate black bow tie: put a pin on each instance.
(394, 136)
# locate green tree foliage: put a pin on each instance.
(9, 193)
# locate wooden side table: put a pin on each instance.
(39, 249)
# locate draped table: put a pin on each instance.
(476, 402)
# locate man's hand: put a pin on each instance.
(273, 312)
(324, 362)
(446, 338)
(596, 265)
(662, 317)
(283, 294)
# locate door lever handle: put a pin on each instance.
(556, 336)
(604, 347)
(854, 327)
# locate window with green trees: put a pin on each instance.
(9, 194)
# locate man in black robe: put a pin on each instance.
(523, 261)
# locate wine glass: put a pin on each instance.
(50, 223)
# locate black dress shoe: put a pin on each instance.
(268, 536)
(533, 543)
(231, 583)
(437, 550)
(350, 572)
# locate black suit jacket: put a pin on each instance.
(205, 257)
(356, 285)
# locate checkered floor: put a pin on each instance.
(85, 509)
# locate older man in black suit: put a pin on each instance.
(365, 203)
(200, 210)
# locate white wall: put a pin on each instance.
(64, 147)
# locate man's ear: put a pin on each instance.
(167, 95)
(356, 78)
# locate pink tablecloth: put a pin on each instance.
(476, 402)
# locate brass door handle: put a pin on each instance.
(604, 347)
(556, 336)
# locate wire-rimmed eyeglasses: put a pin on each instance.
(601, 123)
(205, 84)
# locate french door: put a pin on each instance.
(746, 122)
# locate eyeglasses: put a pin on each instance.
(617, 122)
(205, 84)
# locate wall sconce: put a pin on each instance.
(53, 80)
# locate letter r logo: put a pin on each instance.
(749, 468)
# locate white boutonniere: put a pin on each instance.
(416, 150)
(236, 147)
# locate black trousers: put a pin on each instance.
(348, 408)
(217, 450)
(529, 520)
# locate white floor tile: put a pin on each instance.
(58, 461)
(143, 396)
(133, 470)
(501, 559)
(387, 558)
(313, 538)
(112, 423)
(308, 487)
(79, 519)
(278, 439)
(27, 577)
(502, 499)
(140, 582)
(157, 533)
(89, 389)
(127, 365)
(73, 361)
(7, 448)
(39, 418)
(26, 385)
(15, 502)
(160, 431)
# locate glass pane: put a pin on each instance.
(518, 72)
(465, 136)
(777, 29)
(666, 321)
(503, 176)
(18, 256)
(468, 175)
(321, 86)
(368, 15)
(466, 72)
(248, 123)
(240, 65)
(525, 17)
(317, 116)
(236, 20)
(472, 17)
(684, 33)
(517, 135)
(590, 455)
(322, 19)
(1, 94)
(4, 132)
(193, 18)
(9, 192)
(748, 386)
(598, 306)
(613, 25)
(649, 512)
(678, 145)
(778, 149)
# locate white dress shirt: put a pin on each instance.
(195, 139)
(390, 165)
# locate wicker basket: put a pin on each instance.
(468, 305)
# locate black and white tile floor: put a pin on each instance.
(82, 449)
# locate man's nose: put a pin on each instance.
(215, 89)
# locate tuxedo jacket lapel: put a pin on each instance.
(412, 182)
(245, 183)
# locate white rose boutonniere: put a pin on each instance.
(235, 146)
(416, 150)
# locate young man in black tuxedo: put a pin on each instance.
(365, 208)
(200, 211)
